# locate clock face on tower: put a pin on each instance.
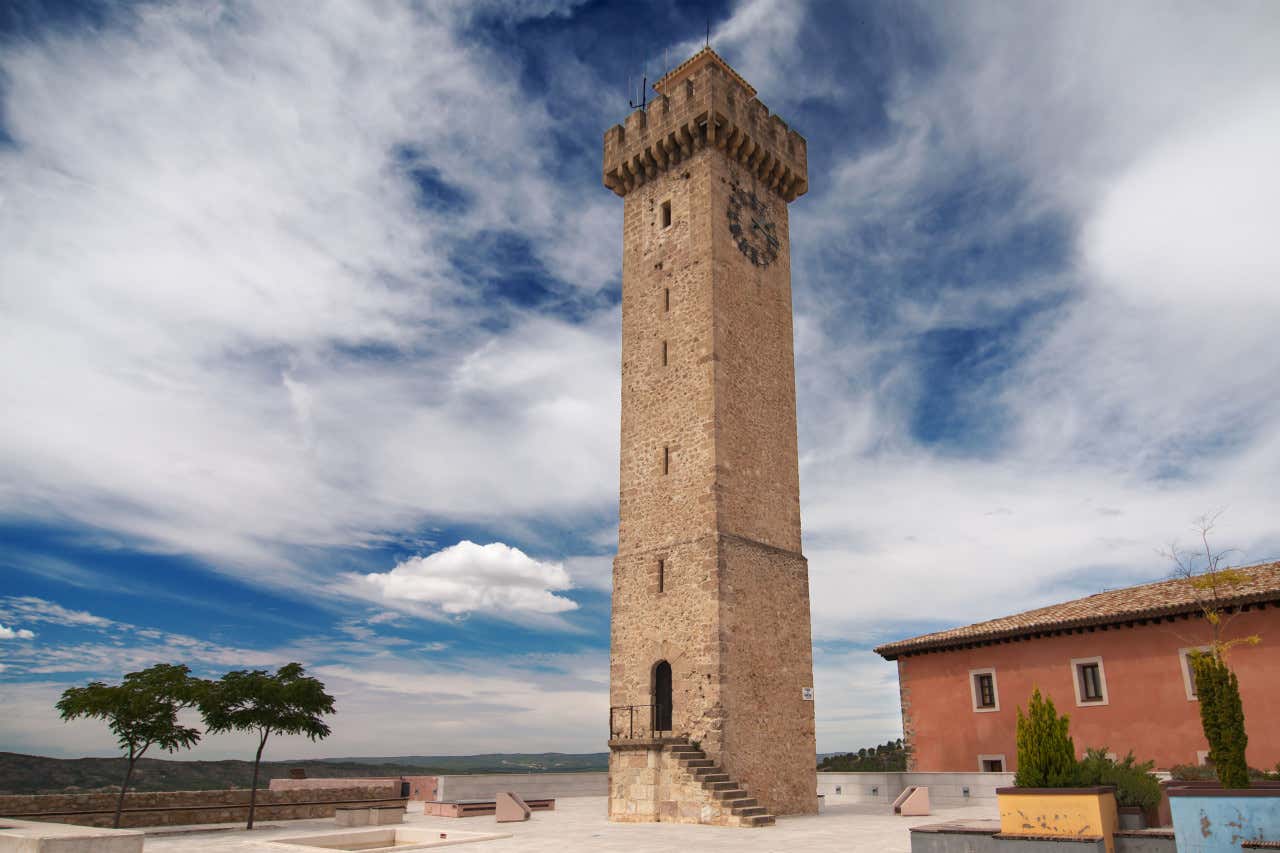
(751, 228)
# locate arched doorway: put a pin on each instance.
(662, 697)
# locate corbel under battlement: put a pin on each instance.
(704, 102)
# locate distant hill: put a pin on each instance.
(891, 756)
(35, 774)
(497, 762)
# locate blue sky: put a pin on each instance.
(309, 339)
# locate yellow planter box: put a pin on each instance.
(1059, 812)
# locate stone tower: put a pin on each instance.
(712, 666)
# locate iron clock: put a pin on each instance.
(751, 228)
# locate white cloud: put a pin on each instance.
(240, 263)
(856, 700)
(1192, 223)
(1137, 404)
(492, 580)
(29, 608)
(592, 572)
(7, 633)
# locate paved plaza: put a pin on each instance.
(579, 824)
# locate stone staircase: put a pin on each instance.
(729, 794)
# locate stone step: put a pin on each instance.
(748, 811)
(697, 762)
(741, 803)
(724, 784)
(759, 820)
(713, 778)
(686, 752)
(731, 793)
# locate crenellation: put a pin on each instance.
(705, 112)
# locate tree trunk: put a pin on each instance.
(253, 790)
(123, 788)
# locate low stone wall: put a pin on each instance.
(945, 789)
(177, 808)
(390, 783)
(420, 787)
(484, 786)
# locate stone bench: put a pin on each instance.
(474, 808)
(368, 815)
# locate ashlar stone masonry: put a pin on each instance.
(710, 589)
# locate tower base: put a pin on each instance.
(669, 780)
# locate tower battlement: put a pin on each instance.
(704, 102)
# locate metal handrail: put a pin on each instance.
(628, 714)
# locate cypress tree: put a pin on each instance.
(1046, 752)
(1222, 718)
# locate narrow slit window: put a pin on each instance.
(662, 575)
(666, 299)
(666, 214)
(666, 460)
(664, 353)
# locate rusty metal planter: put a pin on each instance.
(1216, 820)
(1060, 812)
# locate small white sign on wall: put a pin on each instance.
(806, 693)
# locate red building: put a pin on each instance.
(1116, 662)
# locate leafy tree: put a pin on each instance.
(1222, 718)
(1046, 753)
(142, 712)
(1214, 586)
(287, 703)
(890, 756)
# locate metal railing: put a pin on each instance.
(627, 722)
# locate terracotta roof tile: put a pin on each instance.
(1162, 598)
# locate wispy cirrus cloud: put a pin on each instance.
(290, 230)
(30, 608)
(366, 287)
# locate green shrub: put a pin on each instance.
(1135, 784)
(1222, 717)
(1046, 753)
(1193, 772)
(1207, 772)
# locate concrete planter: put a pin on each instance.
(1218, 820)
(1060, 813)
(1132, 817)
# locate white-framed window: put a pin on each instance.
(1188, 678)
(983, 689)
(991, 763)
(1090, 680)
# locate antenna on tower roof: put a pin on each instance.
(644, 94)
(708, 31)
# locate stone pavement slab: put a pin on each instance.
(580, 824)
